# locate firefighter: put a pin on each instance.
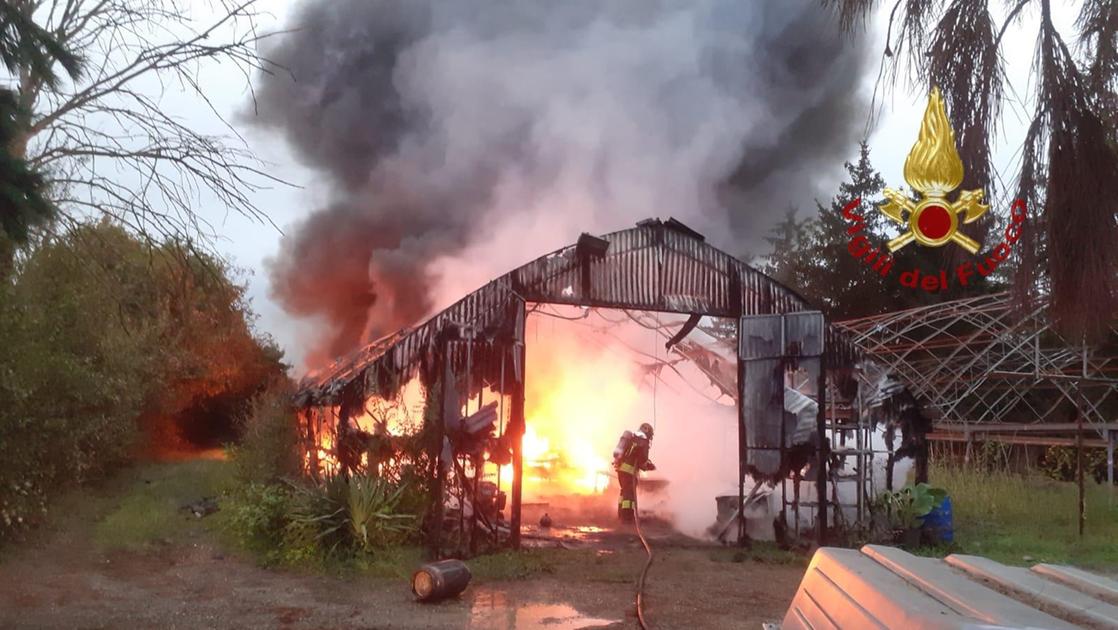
(631, 456)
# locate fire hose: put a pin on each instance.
(647, 563)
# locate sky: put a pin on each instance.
(248, 243)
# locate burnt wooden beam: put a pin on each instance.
(516, 427)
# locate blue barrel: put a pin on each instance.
(939, 523)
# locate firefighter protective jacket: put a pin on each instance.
(635, 456)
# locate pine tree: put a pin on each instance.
(814, 256)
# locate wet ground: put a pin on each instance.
(196, 587)
(585, 579)
(503, 608)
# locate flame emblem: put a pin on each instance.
(934, 169)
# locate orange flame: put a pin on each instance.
(580, 395)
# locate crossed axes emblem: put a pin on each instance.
(933, 168)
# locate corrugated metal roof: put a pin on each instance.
(651, 267)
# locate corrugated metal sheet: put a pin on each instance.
(651, 267)
(886, 587)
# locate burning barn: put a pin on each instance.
(465, 405)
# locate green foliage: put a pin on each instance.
(318, 517)
(1059, 463)
(337, 519)
(24, 201)
(258, 514)
(373, 510)
(269, 449)
(908, 506)
(23, 191)
(813, 255)
(24, 45)
(104, 339)
(1023, 519)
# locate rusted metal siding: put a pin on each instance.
(650, 268)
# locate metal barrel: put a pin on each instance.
(440, 580)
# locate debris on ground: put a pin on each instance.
(202, 507)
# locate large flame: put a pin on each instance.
(933, 166)
(579, 397)
(581, 393)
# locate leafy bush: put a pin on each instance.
(1059, 463)
(909, 505)
(258, 515)
(269, 449)
(338, 518)
(104, 338)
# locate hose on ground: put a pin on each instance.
(648, 563)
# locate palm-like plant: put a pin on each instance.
(358, 512)
(23, 201)
(374, 517)
(24, 44)
(1069, 166)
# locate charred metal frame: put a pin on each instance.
(768, 346)
(655, 267)
(990, 367)
(985, 360)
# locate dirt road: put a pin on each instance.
(198, 587)
(63, 579)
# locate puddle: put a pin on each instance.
(495, 609)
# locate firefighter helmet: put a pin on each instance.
(646, 429)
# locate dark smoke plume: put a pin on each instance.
(459, 139)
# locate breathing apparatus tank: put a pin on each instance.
(622, 444)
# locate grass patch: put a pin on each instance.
(515, 565)
(392, 563)
(759, 551)
(1025, 519)
(148, 509)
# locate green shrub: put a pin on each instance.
(319, 515)
(908, 506)
(269, 449)
(258, 515)
(104, 339)
(336, 519)
(1059, 463)
(374, 514)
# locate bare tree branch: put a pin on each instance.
(108, 145)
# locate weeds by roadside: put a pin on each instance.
(1025, 519)
(151, 510)
(763, 552)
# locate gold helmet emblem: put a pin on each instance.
(934, 169)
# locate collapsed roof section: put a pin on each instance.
(661, 266)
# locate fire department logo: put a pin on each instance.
(934, 169)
